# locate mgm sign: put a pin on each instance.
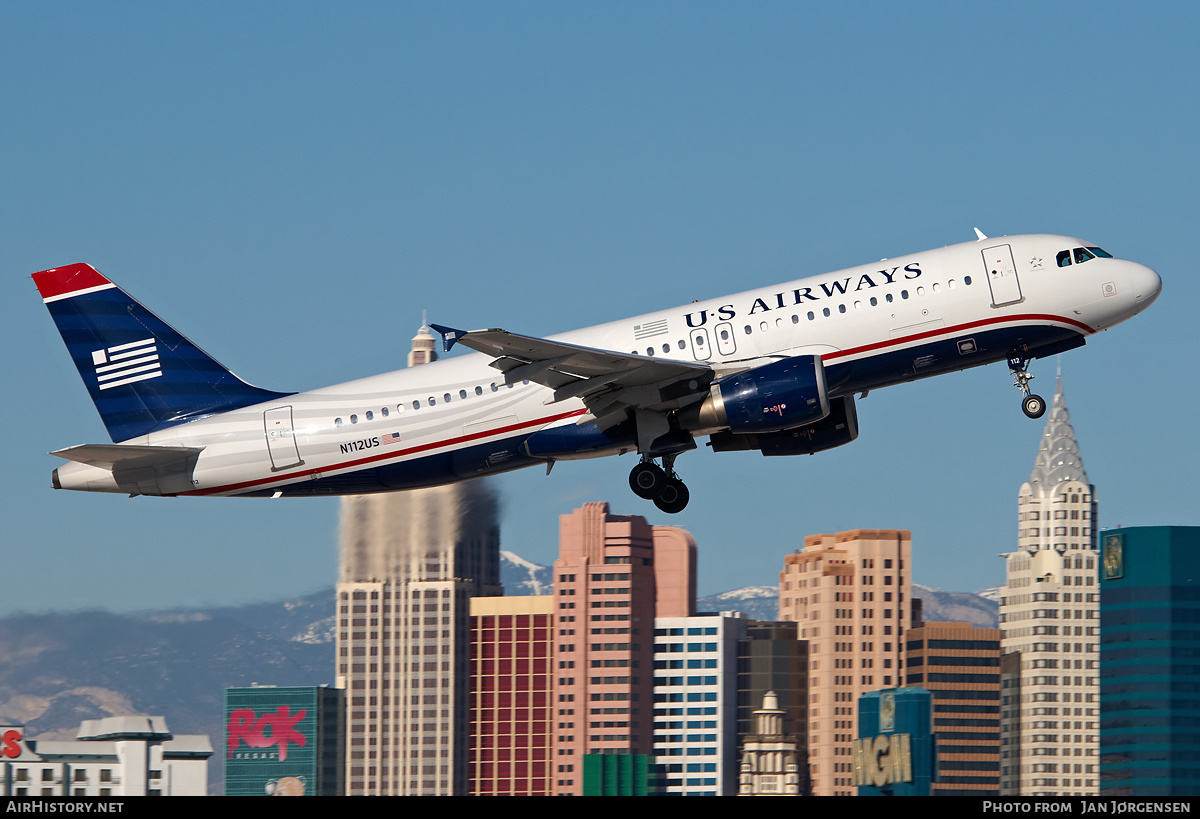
(883, 760)
(895, 754)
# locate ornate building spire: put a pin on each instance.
(423, 350)
(1058, 457)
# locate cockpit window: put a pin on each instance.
(1064, 258)
(1097, 251)
(1081, 255)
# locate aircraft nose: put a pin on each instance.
(1146, 285)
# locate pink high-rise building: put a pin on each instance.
(613, 576)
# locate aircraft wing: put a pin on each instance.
(608, 382)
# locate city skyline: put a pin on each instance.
(294, 219)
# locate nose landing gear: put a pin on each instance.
(660, 484)
(1034, 406)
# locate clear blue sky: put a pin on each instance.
(291, 184)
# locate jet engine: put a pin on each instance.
(838, 428)
(774, 397)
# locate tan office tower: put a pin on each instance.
(850, 595)
(960, 665)
(410, 563)
(613, 576)
(1049, 616)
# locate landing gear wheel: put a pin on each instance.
(647, 480)
(1033, 406)
(674, 497)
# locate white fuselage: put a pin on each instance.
(877, 324)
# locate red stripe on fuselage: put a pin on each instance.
(385, 456)
(958, 328)
(60, 281)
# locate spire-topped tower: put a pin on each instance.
(1049, 626)
(1058, 499)
(404, 556)
(423, 350)
(1058, 457)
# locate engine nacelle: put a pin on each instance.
(838, 428)
(774, 397)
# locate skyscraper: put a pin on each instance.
(959, 665)
(613, 576)
(411, 562)
(850, 594)
(1049, 610)
(695, 703)
(1148, 670)
(512, 707)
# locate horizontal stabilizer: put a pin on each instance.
(107, 456)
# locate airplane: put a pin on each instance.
(775, 369)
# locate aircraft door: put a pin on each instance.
(1002, 275)
(701, 347)
(281, 439)
(726, 344)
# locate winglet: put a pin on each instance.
(979, 233)
(449, 335)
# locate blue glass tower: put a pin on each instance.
(1150, 661)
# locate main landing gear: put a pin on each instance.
(1034, 406)
(660, 484)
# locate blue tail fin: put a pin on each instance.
(141, 373)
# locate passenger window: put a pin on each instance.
(479, 390)
(337, 422)
(462, 393)
(446, 398)
(370, 415)
(432, 401)
(1064, 258)
(384, 412)
(416, 404)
